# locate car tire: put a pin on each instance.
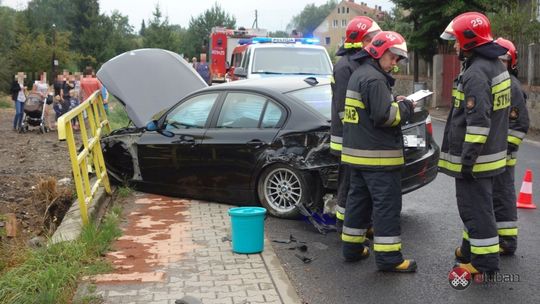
(280, 188)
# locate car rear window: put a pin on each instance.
(317, 97)
(291, 60)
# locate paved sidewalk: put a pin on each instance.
(171, 248)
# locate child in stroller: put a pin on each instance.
(34, 109)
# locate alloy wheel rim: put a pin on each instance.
(282, 190)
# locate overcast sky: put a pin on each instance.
(273, 14)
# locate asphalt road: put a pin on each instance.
(431, 229)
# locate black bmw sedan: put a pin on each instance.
(248, 142)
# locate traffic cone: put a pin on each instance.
(525, 194)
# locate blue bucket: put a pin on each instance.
(247, 229)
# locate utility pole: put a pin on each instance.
(53, 61)
(255, 24)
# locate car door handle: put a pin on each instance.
(257, 143)
(185, 142)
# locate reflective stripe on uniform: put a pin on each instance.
(459, 96)
(353, 45)
(483, 162)
(507, 228)
(394, 118)
(501, 91)
(511, 159)
(504, 76)
(475, 139)
(353, 235)
(354, 103)
(515, 137)
(335, 146)
(465, 235)
(501, 86)
(353, 94)
(372, 157)
(477, 130)
(340, 213)
(485, 246)
(387, 243)
(336, 139)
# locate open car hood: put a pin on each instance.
(146, 81)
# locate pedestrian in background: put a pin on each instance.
(359, 32)
(18, 95)
(475, 138)
(204, 70)
(373, 148)
(89, 83)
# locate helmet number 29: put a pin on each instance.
(476, 22)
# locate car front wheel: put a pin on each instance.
(281, 188)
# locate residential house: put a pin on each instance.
(331, 32)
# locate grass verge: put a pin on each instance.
(5, 102)
(117, 116)
(51, 274)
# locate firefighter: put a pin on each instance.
(373, 150)
(474, 142)
(359, 32)
(504, 194)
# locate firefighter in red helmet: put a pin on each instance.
(504, 193)
(359, 32)
(373, 149)
(475, 137)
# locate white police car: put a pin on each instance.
(265, 57)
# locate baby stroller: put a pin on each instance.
(34, 114)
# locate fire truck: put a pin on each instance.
(222, 42)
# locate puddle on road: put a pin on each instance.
(156, 235)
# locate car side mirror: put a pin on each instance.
(240, 72)
(153, 126)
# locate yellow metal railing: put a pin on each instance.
(90, 155)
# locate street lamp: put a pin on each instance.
(54, 61)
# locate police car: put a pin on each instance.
(261, 57)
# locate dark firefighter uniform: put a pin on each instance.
(342, 72)
(474, 151)
(504, 194)
(373, 148)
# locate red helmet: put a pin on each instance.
(471, 30)
(511, 55)
(387, 40)
(357, 29)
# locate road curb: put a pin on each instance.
(284, 287)
(71, 226)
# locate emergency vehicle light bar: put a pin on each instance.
(278, 40)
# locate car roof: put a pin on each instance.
(282, 84)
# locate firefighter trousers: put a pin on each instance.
(504, 205)
(374, 194)
(480, 243)
(342, 190)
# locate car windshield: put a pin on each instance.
(317, 97)
(291, 60)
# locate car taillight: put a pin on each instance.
(429, 127)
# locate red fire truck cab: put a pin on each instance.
(222, 43)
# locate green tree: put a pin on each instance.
(160, 34)
(310, 17)
(278, 34)
(517, 23)
(199, 29)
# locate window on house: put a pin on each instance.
(343, 23)
(335, 23)
(347, 10)
(338, 10)
(327, 40)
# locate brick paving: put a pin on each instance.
(171, 248)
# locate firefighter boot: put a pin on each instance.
(460, 257)
(506, 248)
(364, 255)
(408, 265)
(467, 266)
